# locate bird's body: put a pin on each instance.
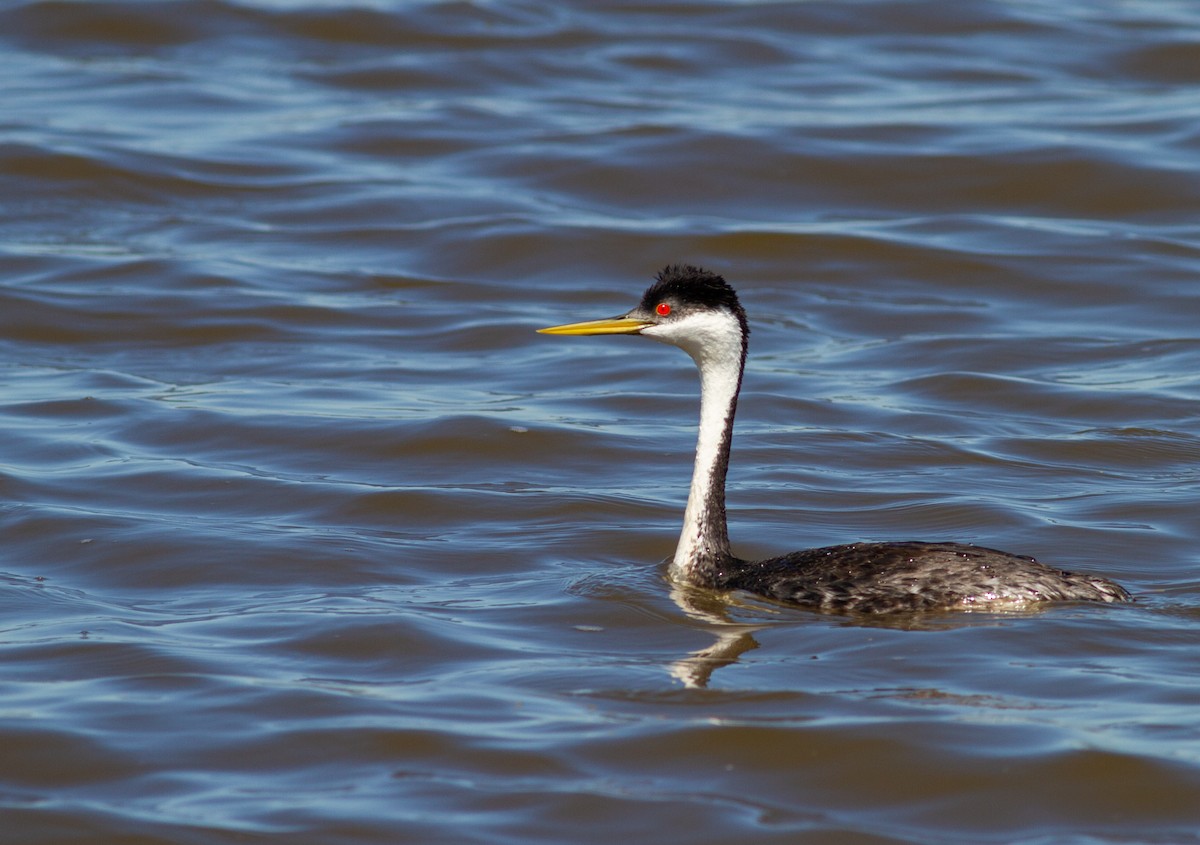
(910, 576)
(698, 312)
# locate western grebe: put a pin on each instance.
(699, 312)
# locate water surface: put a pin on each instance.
(306, 537)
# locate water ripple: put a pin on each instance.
(308, 537)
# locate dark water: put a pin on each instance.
(306, 537)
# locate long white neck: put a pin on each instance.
(718, 349)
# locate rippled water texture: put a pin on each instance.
(307, 537)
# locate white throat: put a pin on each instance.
(714, 340)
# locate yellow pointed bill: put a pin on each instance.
(613, 325)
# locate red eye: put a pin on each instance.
(663, 309)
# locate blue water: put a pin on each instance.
(307, 537)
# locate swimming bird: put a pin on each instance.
(699, 312)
